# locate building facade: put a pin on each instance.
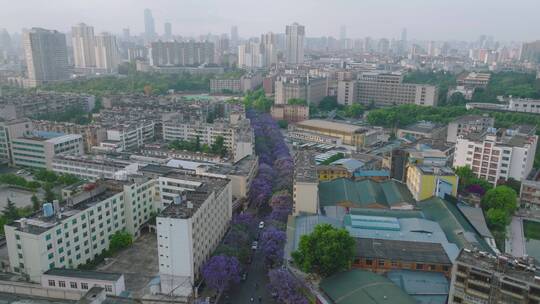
(164, 54)
(427, 181)
(468, 124)
(38, 151)
(310, 89)
(294, 43)
(290, 113)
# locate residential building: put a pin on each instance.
(310, 89)
(84, 46)
(497, 155)
(269, 49)
(348, 134)
(197, 213)
(530, 51)
(83, 280)
(422, 129)
(238, 137)
(381, 256)
(91, 168)
(72, 233)
(167, 31)
(38, 149)
(107, 54)
(529, 194)
(294, 35)
(384, 89)
(174, 53)
(42, 103)
(131, 135)
(524, 105)
(305, 184)
(290, 113)
(92, 134)
(240, 84)
(468, 124)
(149, 26)
(46, 56)
(478, 277)
(10, 130)
(427, 181)
(250, 55)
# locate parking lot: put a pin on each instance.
(138, 263)
(19, 196)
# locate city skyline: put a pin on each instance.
(433, 21)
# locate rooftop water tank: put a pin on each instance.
(48, 210)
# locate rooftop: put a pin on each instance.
(423, 127)
(86, 274)
(425, 287)
(305, 168)
(331, 125)
(357, 286)
(402, 251)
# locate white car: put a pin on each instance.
(261, 225)
(254, 245)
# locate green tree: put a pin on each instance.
(514, 184)
(465, 175)
(328, 103)
(49, 194)
(497, 219)
(355, 110)
(218, 147)
(456, 99)
(10, 211)
(36, 204)
(120, 240)
(325, 251)
(500, 197)
(282, 124)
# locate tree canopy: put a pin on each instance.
(325, 251)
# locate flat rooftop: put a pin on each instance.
(305, 168)
(85, 274)
(423, 127)
(402, 251)
(331, 125)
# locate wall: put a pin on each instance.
(23, 288)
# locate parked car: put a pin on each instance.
(261, 225)
(244, 276)
(254, 245)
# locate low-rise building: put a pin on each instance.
(38, 149)
(422, 129)
(524, 105)
(131, 136)
(468, 124)
(290, 113)
(90, 167)
(240, 84)
(478, 277)
(10, 129)
(310, 89)
(529, 194)
(83, 280)
(41, 103)
(330, 172)
(72, 233)
(92, 134)
(348, 134)
(427, 181)
(197, 212)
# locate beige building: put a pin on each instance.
(38, 151)
(305, 184)
(348, 134)
(290, 113)
(92, 135)
(385, 89)
(12, 129)
(287, 87)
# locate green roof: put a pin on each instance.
(456, 227)
(358, 286)
(390, 213)
(363, 194)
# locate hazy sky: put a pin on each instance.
(424, 19)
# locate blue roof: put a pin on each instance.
(47, 134)
(374, 222)
(425, 287)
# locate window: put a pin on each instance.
(84, 286)
(61, 283)
(369, 262)
(419, 266)
(73, 284)
(52, 283)
(108, 288)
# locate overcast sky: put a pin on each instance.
(515, 20)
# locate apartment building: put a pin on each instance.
(197, 213)
(12, 129)
(174, 53)
(385, 89)
(240, 84)
(92, 134)
(497, 154)
(310, 89)
(422, 129)
(238, 136)
(38, 149)
(90, 167)
(305, 184)
(39, 103)
(478, 277)
(290, 113)
(129, 136)
(427, 181)
(529, 195)
(72, 233)
(468, 124)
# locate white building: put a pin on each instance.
(524, 105)
(295, 35)
(39, 149)
(107, 54)
(84, 46)
(497, 154)
(131, 136)
(92, 168)
(190, 228)
(74, 232)
(250, 55)
(83, 280)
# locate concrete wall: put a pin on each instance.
(22, 288)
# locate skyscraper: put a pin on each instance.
(46, 56)
(234, 37)
(149, 25)
(107, 55)
(5, 40)
(269, 49)
(342, 33)
(126, 34)
(84, 53)
(295, 34)
(167, 31)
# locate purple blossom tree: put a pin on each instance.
(272, 242)
(286, 287)
(220, 271)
